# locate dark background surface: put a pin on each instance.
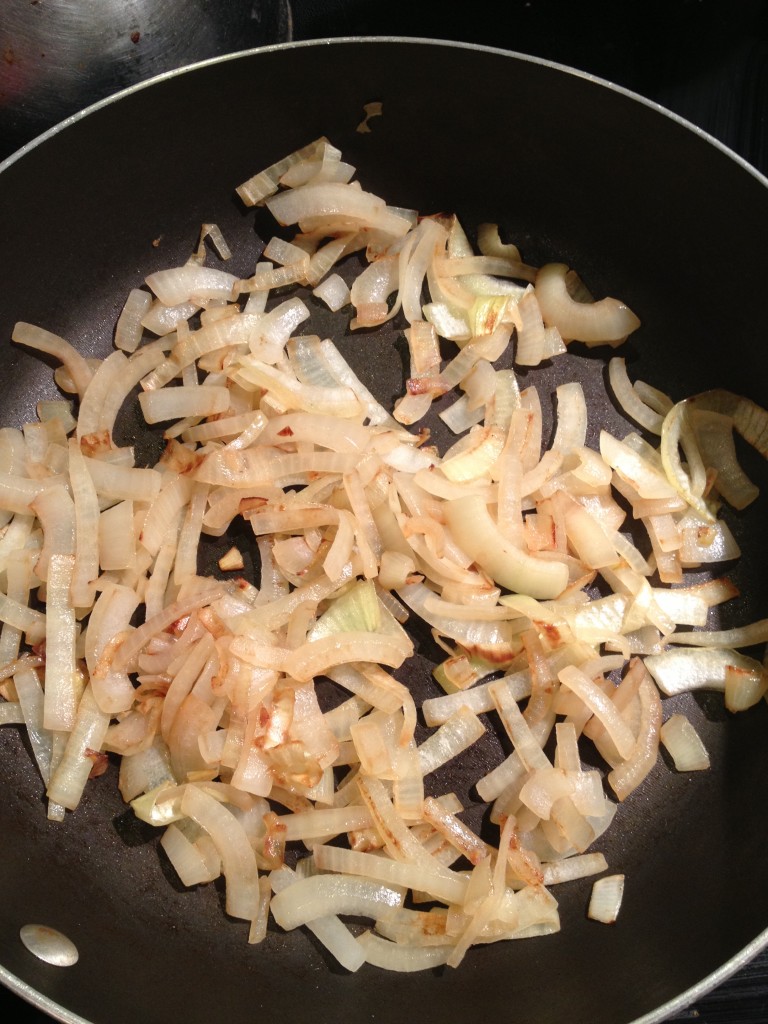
(706, 61)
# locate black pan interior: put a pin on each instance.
(645, 208)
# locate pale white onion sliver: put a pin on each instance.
(715, 437)
(628, 775)
(458, 834)
(29, 620)
(164, 320)
(503, 781)
(637, 471)
(741, 636)
(20, 582)
(292, 394)
(477, 534)
(183, 680)
(448, 886)
(324, 822)
(684, 669)
(56, 511)
(321, 895)
(190, 282)
(394, 956)
(580, 866)
(31, 698)
(123, 482)
(187, 860)
(527, 745)
(598, 323)
(185, 562)
(104, 379)
(258, 929)
(128, 330)
(328, 929)
(88, 731)
(401, 843)
(653, 398)
(373, 286)
(17, 493)
(61, 697)
(223, 427)
(606, 899)
(174, 403)
(86, 528)
(571, 429)
(165, 509)
(44, 341)
(110, 617)
(117, 539)
(138, 366)
(237, 856)
(601, 706)
(375, 412)
(333, 291)
(11, 713)
(684, 744)
(437, 710)
(453, 737)
(315, 658)
(628, 398)
(387, 698)
(158, 582)
(326, 199)
(530, 330)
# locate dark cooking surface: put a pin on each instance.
(706, 63)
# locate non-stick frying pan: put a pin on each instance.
(646, 208)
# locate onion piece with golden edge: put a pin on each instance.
(257, 188)
(714, 434)
(607, 322)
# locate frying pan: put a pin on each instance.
(646, 208)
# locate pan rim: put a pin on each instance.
(740, 959)
(377, 40)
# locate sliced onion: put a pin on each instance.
(684, 744)
(605, 901)
(477, 534)
(607, 322)
(684, 669)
